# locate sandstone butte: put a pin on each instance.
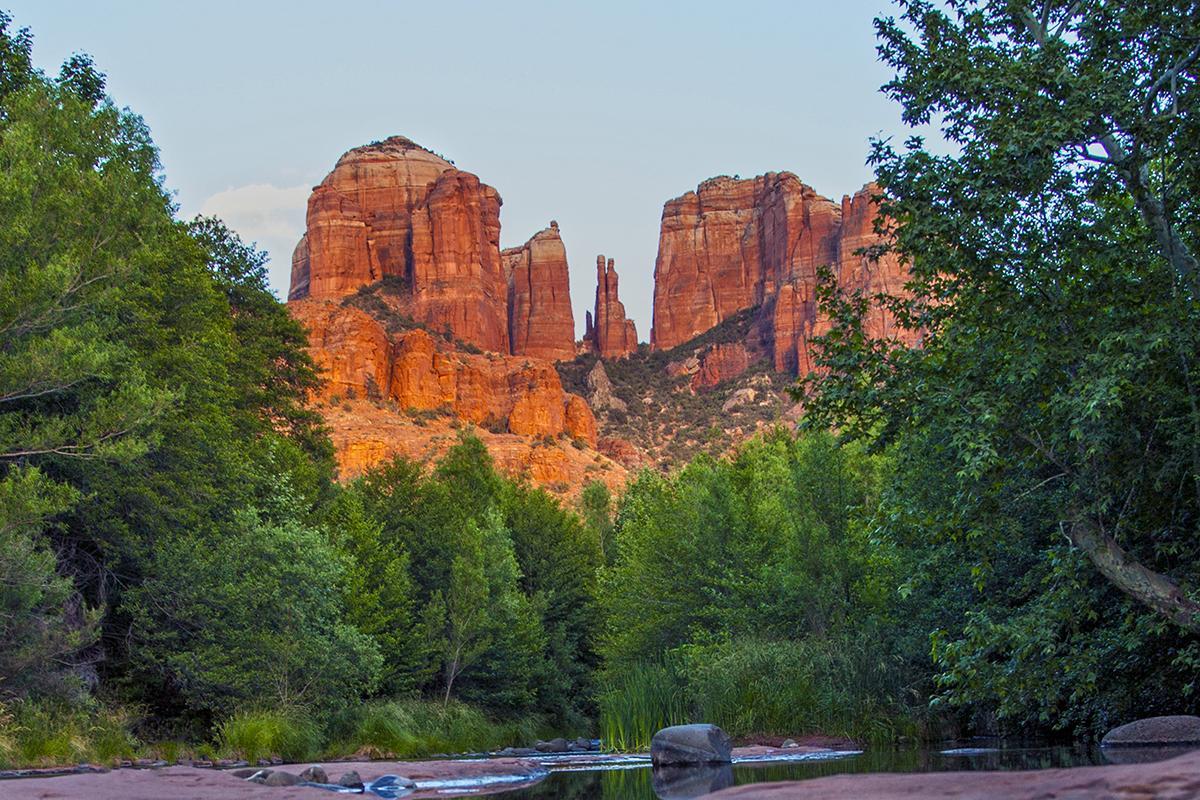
(393, 209)
(540, 321)
(529, 423)
(607, 330)
(733, 245)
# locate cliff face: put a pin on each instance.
(609, 333)
(405, 393)
(394, 209)
(419, 373)
(734, 245)
(540, 320)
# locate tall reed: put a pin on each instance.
(637, 701)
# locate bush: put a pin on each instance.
(251, 735)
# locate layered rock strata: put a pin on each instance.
(734, 244)
(608, 331)
(393, 209)
(540, 320)
(420, 373)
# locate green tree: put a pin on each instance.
(595, 505)
(75, 180)
(252, 616)
(43, 628)
(380, 595)
(1052, 405)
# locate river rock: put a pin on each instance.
(280, 778)
(315, 774)
(691, 744)
(1171, 730)
(558, 745)
(351, 780)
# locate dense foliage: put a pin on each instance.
(1047, 430)
(752, 593)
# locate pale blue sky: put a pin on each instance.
(591, 114)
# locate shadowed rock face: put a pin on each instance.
(733, 245)
(540, 321)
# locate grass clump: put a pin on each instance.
(418, 728)
(755, 688)
(639, 701)
(289, 734)
(47, 734)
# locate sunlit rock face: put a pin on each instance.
(540, 321)
(608, 332)
(394, 209)
(735, 244)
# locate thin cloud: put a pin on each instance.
(271, 216)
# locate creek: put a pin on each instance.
(574, 778)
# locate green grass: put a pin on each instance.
(752, 689)
(418, 728)
(821, 686)
(251, 735)
(54, 734)
(636, 702)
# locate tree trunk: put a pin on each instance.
(1146, 586)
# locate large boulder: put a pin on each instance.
(1172, 730)
(691, 744)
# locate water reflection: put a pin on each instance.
(684, 783)
(643, 783)
(1143, 755)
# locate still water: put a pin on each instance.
(640, 782)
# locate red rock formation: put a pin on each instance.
(349, 347)
(580, 422)
(421, 373)
(456, 275)
(737, 244)
(610, 333)
(881, 274)
(360, 218)
(540, 321)
(393, 208)
(720, 363)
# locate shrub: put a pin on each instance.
(251, 735)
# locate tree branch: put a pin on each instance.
(1150, 588)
